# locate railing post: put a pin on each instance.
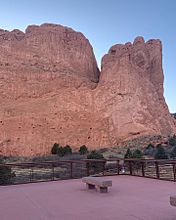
(87, 166)
(71, 170)
(10, 175)
(157, 170)
(143, 170)
(174, 171)
(118, 171)
(52, 172)
(130, 167)
(104, 166)
(31, 175)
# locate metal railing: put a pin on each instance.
(18, 173)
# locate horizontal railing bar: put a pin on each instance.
(165, 161)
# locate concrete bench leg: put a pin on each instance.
(173, 200)
(103, 189)
(90, 186)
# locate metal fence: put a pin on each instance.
(18, 173)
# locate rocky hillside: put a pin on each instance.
(52, 91)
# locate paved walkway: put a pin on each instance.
(130, 198)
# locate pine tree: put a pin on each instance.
(83, 150)
(160, 153)
(55, 148)
(128, 154)
(173, 153)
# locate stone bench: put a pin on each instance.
(99, 182)
(173, 200)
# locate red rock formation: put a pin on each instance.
(45, 57)
(174, 117)
(132, 77)
(41, 71)
(50, 92)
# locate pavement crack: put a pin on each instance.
(137, 217)
(37, 206)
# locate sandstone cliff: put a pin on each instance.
(52, 91)
(132, 77)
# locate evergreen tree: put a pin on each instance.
(67, 150)
(150, 146)
(128, 154)
(6, 174)
(149, 150)
(60, 151)
(172, 140)
(55, 148)
(160, 153)
(83, 150)
(137, 154)
(173, 153)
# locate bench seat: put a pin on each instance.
(173, 200)
(99, 182)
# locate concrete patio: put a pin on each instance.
(130, 198)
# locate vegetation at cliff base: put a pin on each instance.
(128, 154)
(83, 150)
(54, 149)
(5, 174)
(97, 166)
(61, 151)
(160, 152)
(67, 150)
(172, 140)
(173, 153)
(135, 154)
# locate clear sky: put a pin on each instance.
(104, 23)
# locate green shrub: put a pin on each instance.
(149, 150)
(95, 155)
(5, 175)
(60, 151)
(137, 154)
(172, 140)
(67, 150)
(150, 146)
(96, 166)
(54, 149)
(128, 154)
(83, 150)
(160, 153)
(173, 153)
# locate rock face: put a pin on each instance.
(44, 58)
(174, 117)
(52, 91)
(132, 77)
